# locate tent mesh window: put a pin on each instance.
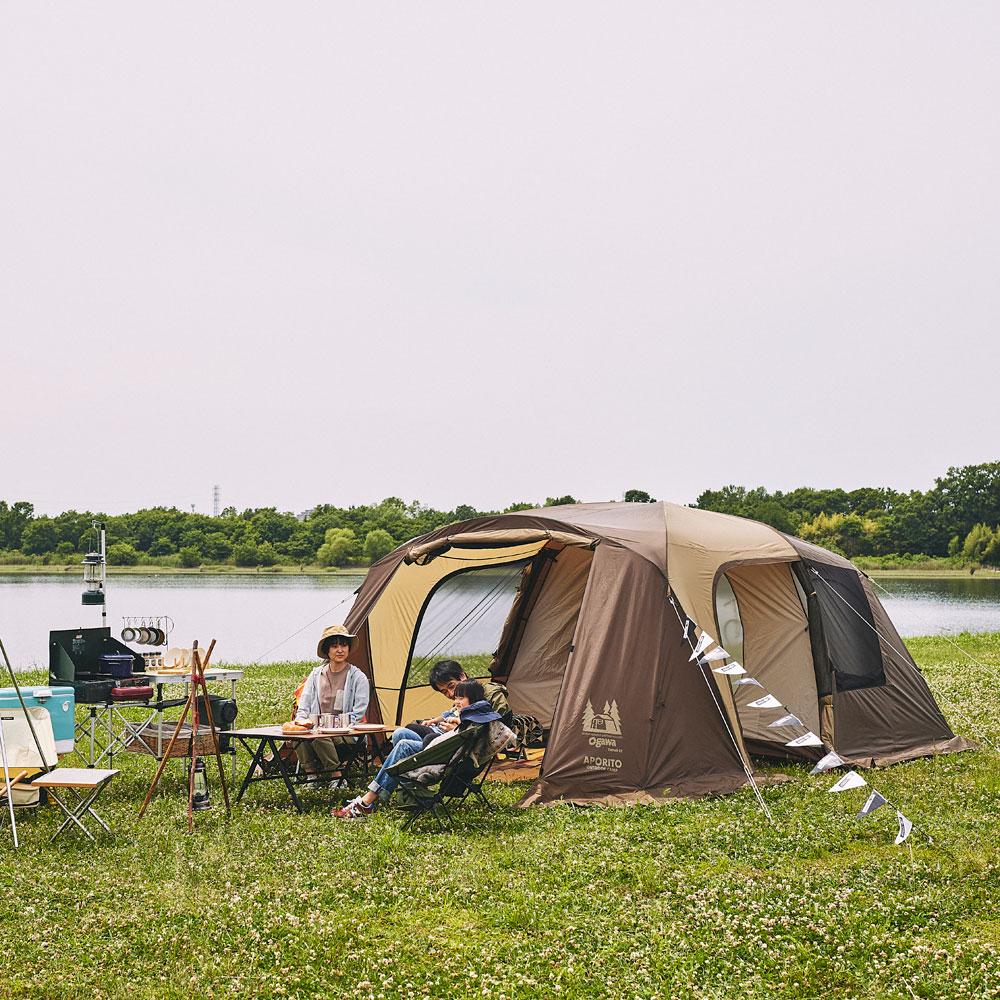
(463, 619)
(851, 639)
(727, 610)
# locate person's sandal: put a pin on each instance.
(355, 809)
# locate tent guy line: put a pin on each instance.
(747, 769)
(256, 661)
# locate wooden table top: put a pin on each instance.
(275, 731)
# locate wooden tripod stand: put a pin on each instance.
(198, 685)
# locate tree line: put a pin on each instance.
(958, 519)
(166, 536)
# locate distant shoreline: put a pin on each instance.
(74, 569)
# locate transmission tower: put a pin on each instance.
(216, 494)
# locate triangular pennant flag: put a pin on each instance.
(827, 763)
(905, 826)
(785, 720)
(704, 641)
(768, 701)
(850, 780)
(716, 654)
(808, 740)
(730, 670)
(874, 801)
(748, 681)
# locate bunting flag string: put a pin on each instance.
(704, 641)
(740, 677)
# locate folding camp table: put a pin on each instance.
(89, 782)
(261, 740)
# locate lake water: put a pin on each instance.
(265, 619)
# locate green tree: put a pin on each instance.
(378, 543)
(339, 546)
(977, 541)
(13, 520)
(190, 556)
(302, 544)
(638, 496)
(848, 534)
(245, 554)
(267, 555)
(39, 536)
(515, 507)
(560, 501)
(163, 546)
(216, 546)
(122, 554)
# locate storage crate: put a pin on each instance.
(146, 741)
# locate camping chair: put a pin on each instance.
(445, 774)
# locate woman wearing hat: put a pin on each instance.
(334, 686)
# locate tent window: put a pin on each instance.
(463, 619)
(727, 612)
(851, 640)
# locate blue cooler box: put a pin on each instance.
(57, 701)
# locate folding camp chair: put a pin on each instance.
(441, 778)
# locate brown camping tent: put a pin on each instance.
(594, 645)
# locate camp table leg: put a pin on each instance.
(257, 760)
(285, 776)
(75, 814)
(268, 743)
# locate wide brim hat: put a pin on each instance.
(332, 632)
(479, 711)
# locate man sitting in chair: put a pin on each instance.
(472, 708)
(444, 677)
(334, 686)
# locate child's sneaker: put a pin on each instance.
(355, 809)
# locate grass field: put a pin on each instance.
(694, 899)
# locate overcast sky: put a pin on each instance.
(481, 253)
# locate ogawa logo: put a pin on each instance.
(604, 731)
(608, 723)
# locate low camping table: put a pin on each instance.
(89, 782)
(263, 739)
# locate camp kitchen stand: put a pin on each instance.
(108, 730)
